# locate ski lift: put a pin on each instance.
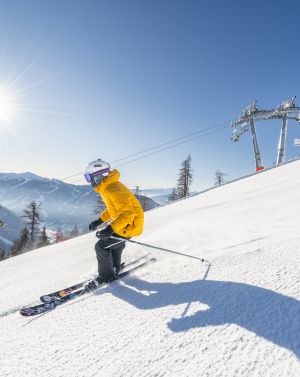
(288, 104)
(235, 136)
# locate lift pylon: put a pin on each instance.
(287, 110)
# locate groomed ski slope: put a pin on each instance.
(238, 317)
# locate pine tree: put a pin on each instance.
(32, 219)
(15, 248)
(173, 196)
(23, 244)
(137, 191)
(219, 178)
(25, 239)
(185, 179)
(44, 239)
(2, 254)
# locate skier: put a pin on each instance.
(123, 213)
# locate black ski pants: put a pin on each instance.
(109, 253)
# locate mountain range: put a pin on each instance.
(62, 205)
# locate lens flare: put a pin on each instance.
(7, 106)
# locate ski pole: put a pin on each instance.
(161, 248)
(114, 244)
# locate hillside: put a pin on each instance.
(238, 316)
(62, 205)
(10, 230)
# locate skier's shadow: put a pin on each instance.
(270, 315)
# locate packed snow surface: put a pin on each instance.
(238, 316)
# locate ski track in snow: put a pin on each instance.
(239, 316)
(55, 188)
(26, 180)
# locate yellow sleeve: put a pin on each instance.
(105, 216)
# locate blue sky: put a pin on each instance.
(105, 79)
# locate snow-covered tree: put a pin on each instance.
(219, 178)
(32, 219)
(2, 254)
(137, 191)
(44, 239)
(23, 244)
(173, 196)
(185, 179)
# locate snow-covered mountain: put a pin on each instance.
(62, 205)
(10, 231)
(156, 192)
(147, 203)
(236, 315)
(160, 195)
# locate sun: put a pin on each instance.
(7, 106)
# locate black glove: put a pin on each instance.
(94, 224)
(105, 233)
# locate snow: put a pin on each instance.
(26, 180)
(238, 316)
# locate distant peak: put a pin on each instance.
(31, 176)
(26, 175)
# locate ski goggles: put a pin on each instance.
(98, 175)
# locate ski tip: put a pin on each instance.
(39, 309)
(26, 312)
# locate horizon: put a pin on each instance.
(78, 184)
(208, 188)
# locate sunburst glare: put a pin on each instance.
(7, 106)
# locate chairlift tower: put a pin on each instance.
(242, 124)
(287, 110)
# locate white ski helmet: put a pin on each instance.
(96, 171)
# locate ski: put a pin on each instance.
(64, 292)
(48, 306)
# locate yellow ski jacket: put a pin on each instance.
(122, 207)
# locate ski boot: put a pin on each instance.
(95, 283)
(119, 268)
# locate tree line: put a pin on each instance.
(32, 236)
